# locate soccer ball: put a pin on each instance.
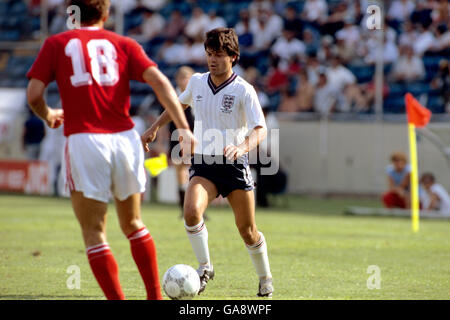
(181, 282)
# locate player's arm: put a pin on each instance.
(434, 202)
(167, 96)
(35, 96)
(150, 134)
(258, 134)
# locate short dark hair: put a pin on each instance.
(223, 39)
(427, 177)
(92, 11)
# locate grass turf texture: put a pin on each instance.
(315, 252)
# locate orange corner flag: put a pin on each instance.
(418, 115)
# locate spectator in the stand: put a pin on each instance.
(336, 20)
(305, 92)
(356, 11)
(195, 51)
(327, 49)
(441, 82)
(390, 51)
(423, 11)
(441, 14)
(408, 35)
(424, 40)
(253, 76)
(312, 69)
(441, 45)
(303, 100)
(368, 92)
(274, 21)
(287, 47)
(243, 30)
(151, 27)
(311, 41)
(291, 21)
(214, 21)
(172, 52)
(33, 134)
(262, 38)
(435, 198)
(175, 25)
(315, 12)
(348, 40)
(344, 81)
(266, 27)
(197, 24)
(326, 96)
(400, 11)
(338, 75)
(154, 4)
(397, 195)
(409, 67)
(276, 78)
(288, 100)
(349, 33)
(126, 5)
(58, 23)
(346, 53)
(255, 7)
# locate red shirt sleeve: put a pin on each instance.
(43, 67)
(138, 61)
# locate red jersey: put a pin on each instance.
(93, 68)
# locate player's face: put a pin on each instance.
(219, 62)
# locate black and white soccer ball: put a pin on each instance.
(181, 282)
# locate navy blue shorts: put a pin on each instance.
(226, 176)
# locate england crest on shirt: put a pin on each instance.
(227, 103)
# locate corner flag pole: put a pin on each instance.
(414, 176)
(418, 116)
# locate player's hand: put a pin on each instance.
(187, 142)
(149, 136)
(232, 152)
(54, 118)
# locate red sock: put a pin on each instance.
(144, 254)
(105, 270)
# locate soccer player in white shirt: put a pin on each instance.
(226, 111)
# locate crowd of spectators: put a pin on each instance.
(309, 55)
(305, 51)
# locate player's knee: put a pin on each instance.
(192, 213)
(93, 235)
(130, 226)
(249, 234)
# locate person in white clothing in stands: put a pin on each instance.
(435, 197)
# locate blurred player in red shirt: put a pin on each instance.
(103, 156)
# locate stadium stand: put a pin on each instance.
(20, 21)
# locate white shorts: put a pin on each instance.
(100, 165)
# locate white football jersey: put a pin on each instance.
(224, 114)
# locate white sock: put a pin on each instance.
(198, 236)
(260, 259)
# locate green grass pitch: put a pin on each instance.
(315, 252)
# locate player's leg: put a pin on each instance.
(199, 194)
(243, 205)
(183, 181)
(142, 245)
(128, 182)
(91, 215)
